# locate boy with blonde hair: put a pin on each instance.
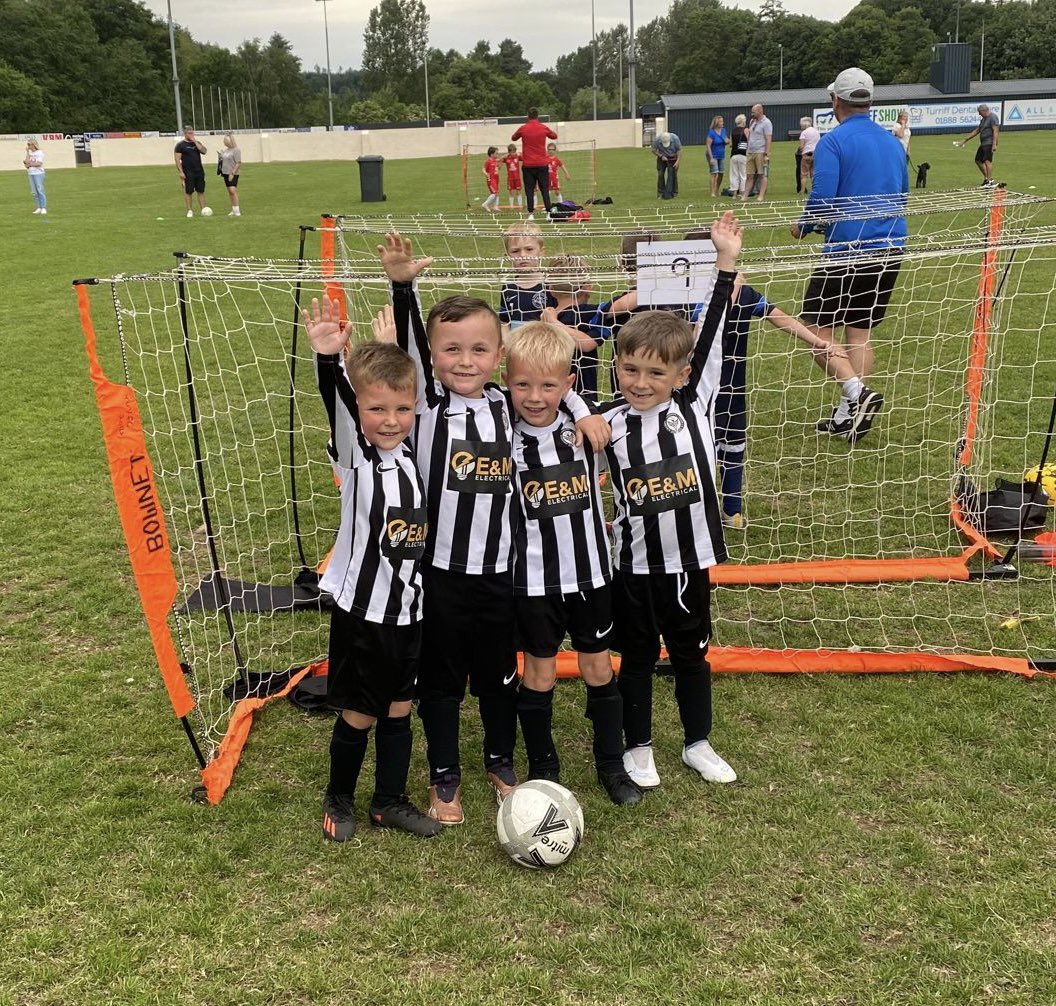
(562, 567)
(524, 297)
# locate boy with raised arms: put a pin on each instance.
(374, 574)
(462, 442)
(668, 525)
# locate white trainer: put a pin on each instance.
(701, 757)
(640, 767)
(37, 210)
(190, 213)
(43, 212)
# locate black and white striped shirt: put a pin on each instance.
(464, 451)
(662, 464)
(374, 570)
(560, 542)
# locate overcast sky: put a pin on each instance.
(553, 28)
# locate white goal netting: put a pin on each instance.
(853, 557)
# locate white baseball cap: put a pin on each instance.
(854, 86)
(665, 139)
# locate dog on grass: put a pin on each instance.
(922, 175)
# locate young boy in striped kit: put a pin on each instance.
(462, 442)
(668, 525)
(374, 574)
(562, 567)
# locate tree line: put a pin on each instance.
(70, 65)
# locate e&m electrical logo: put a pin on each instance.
(406, 530)
(660, 486)
(477, 466)
(555, 490)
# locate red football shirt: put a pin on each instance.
(533, 136)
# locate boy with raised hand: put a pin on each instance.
(462, 442)
(668, 525)
(562, 568)
(374, 574)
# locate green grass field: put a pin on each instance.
(889, 842)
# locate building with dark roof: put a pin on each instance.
(1020, 104)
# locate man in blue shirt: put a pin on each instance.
(858, 203)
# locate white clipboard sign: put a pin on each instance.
(675, 272)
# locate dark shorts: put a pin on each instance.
(468, 634)
(193, 182)
(984, 153)
(371, 665)
(231, 181)
(851, 293)
(586, 616)
(676, 606)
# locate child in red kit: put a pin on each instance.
(491, 175)
(512, 160)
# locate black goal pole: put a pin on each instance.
(224, 600)
(294, 504)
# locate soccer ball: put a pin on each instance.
(206, 212)
(1046, 475)
(540, 824)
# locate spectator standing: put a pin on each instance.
(988, 130)
(34, 163)
(230, 167)
(188, 157)
(716, 143)
(903, 132)
(738, 155)
(760, 138)
(667, 148)
(808, 140)
(858, 166)
(535, 162)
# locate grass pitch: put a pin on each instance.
(889, 841)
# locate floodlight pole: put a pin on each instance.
(329, 87)
(425, 61)
(594, 61)
(175, 75)
(632, 97)
(781, 66)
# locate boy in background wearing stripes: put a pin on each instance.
(463, 445)
(374, 573)
(668, 524)
(562, 567)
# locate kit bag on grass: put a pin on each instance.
(1007, 509)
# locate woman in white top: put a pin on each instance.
(34, 162)
(230, 166)
(903, 132)
(808, 140)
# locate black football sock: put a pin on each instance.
(636, 687)
(693, 695)
(605, 711)
(498, 716)
(348, 745)
(392, 746)
(535, 710)
(439, 718)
